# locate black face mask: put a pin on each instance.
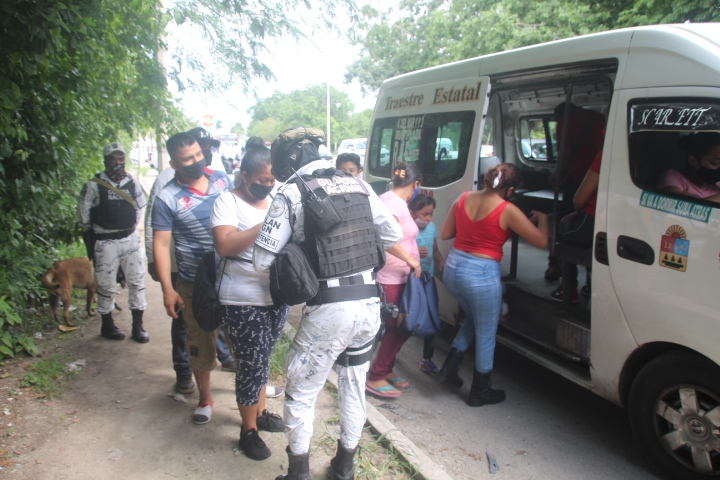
(194, 171)
(116, 172)
(258, 191)
(709, 175)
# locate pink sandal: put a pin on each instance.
(387, 391)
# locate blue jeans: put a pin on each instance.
(475, 283)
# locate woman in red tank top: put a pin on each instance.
(481, 222)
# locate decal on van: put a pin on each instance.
(675, 206)
(674, 117)
(455, 95)
(674, 248)
(411, 100)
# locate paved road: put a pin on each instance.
(548, 428)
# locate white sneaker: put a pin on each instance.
(273, 392)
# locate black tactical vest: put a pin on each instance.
(351, 247)
(114, 212)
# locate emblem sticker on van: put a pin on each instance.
(675, 206)
(674, 248)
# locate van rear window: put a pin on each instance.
(438, 143)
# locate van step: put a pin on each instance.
(560, 328)
(544, 338)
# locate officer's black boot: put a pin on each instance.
(109, 330)
(342, 465)
(138, 333)
(298, 467)
(482, 393)
(448, 374)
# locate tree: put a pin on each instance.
(238, 129)
(434, 32)
(308, 107)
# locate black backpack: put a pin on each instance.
(205, 297)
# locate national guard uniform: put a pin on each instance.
(109, 209)
(339, 325)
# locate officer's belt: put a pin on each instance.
(343, 294)
(114, 235)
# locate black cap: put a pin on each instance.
(204, 138)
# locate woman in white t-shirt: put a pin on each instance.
(252, 324)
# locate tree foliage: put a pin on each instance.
(426, 33)
(308, 108)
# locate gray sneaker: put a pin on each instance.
(184, 385)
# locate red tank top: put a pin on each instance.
(485, 236)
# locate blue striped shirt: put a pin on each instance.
(186, 212)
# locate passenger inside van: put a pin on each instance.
(701, 175)
(578, 227)
(579, 142)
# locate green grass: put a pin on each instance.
(277, 360)
(47, 376)
(375, 458)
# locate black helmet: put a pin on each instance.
(294, 148)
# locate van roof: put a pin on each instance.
(695, 49)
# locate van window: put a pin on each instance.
(536, 135)
(656, 128)
(438, 143)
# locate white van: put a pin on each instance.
(649, 337)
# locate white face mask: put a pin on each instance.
(421, 223)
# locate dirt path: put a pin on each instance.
(116, 420)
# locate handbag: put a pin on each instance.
(206, 298)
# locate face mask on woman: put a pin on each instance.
(259, 191)
(709, 175)
(194, 171)
(416, 192)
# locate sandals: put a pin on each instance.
(202, 414)
(398, 382)
(387, 391)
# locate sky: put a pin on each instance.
(290, 63)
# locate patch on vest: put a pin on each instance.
(337, 185)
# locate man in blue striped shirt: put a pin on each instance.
(182, 212)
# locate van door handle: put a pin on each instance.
(635, 250)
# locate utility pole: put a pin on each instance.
(327, 126)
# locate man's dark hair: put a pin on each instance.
(178, 141)
(348, 157)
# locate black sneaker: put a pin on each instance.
(185, 385)
(254, 446)
(270, 422)
(553, 272)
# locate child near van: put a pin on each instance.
(421, 210)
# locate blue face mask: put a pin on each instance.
(416, 192)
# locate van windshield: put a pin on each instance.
(438, 143)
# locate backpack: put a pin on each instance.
(205, 297)
(292, 280)
(419, 303)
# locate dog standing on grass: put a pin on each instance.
(66, 275)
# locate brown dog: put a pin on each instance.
(66, 275)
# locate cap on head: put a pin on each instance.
(204, 138)
(113, 147)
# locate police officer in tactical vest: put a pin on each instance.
(344, 228)
(109, 209)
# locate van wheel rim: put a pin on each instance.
(688, 427)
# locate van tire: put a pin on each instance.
(659, 385)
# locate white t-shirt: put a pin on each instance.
(241, 283)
